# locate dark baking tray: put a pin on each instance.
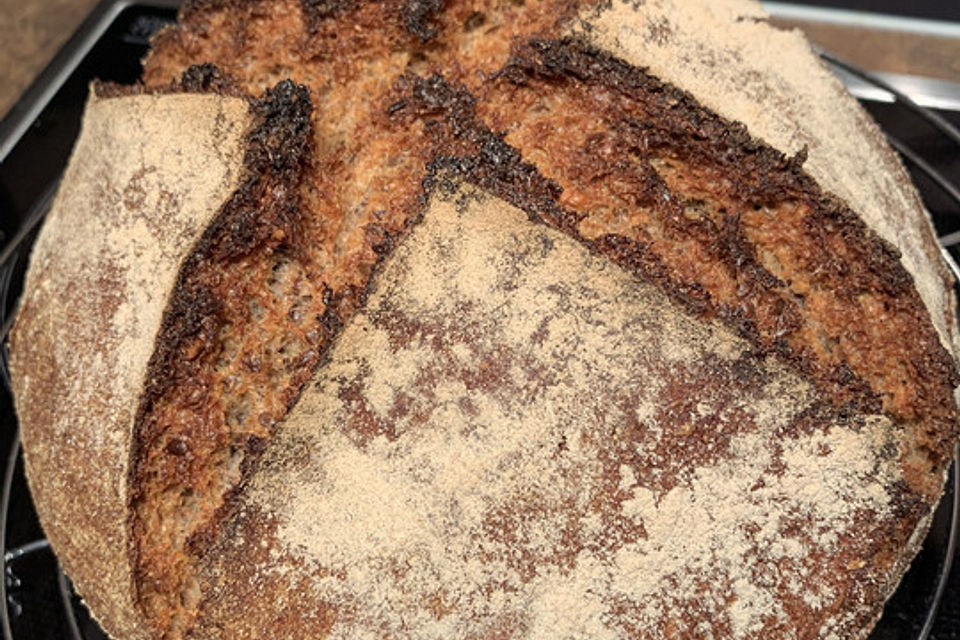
(35, 142)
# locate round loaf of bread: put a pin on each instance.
(484, 319)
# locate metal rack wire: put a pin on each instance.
(13, 254)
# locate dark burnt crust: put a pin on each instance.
(279, 149)
(319, 11)
(418, 18)
(208, 78)
(264, 214)
(464, 146)
(760, 174)
(197, 78)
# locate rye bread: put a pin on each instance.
(677, 182)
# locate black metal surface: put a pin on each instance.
(38, 601)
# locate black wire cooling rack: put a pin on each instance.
(914, 607)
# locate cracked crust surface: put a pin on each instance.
(358, 110)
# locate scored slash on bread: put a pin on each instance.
(369, 292)
(97, 288)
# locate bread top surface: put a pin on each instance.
(737, 65)
(427, 120)
(146, 176)
(585, 114)
(516, 439)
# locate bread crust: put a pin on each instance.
(437, 126)
(443, 475)
(147, 175)
(727, 55)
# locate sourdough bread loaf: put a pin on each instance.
(484, 320)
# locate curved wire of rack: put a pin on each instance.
(14, 250)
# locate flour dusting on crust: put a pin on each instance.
(515, 437)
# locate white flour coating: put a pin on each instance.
(689, 525)
(527, 502)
